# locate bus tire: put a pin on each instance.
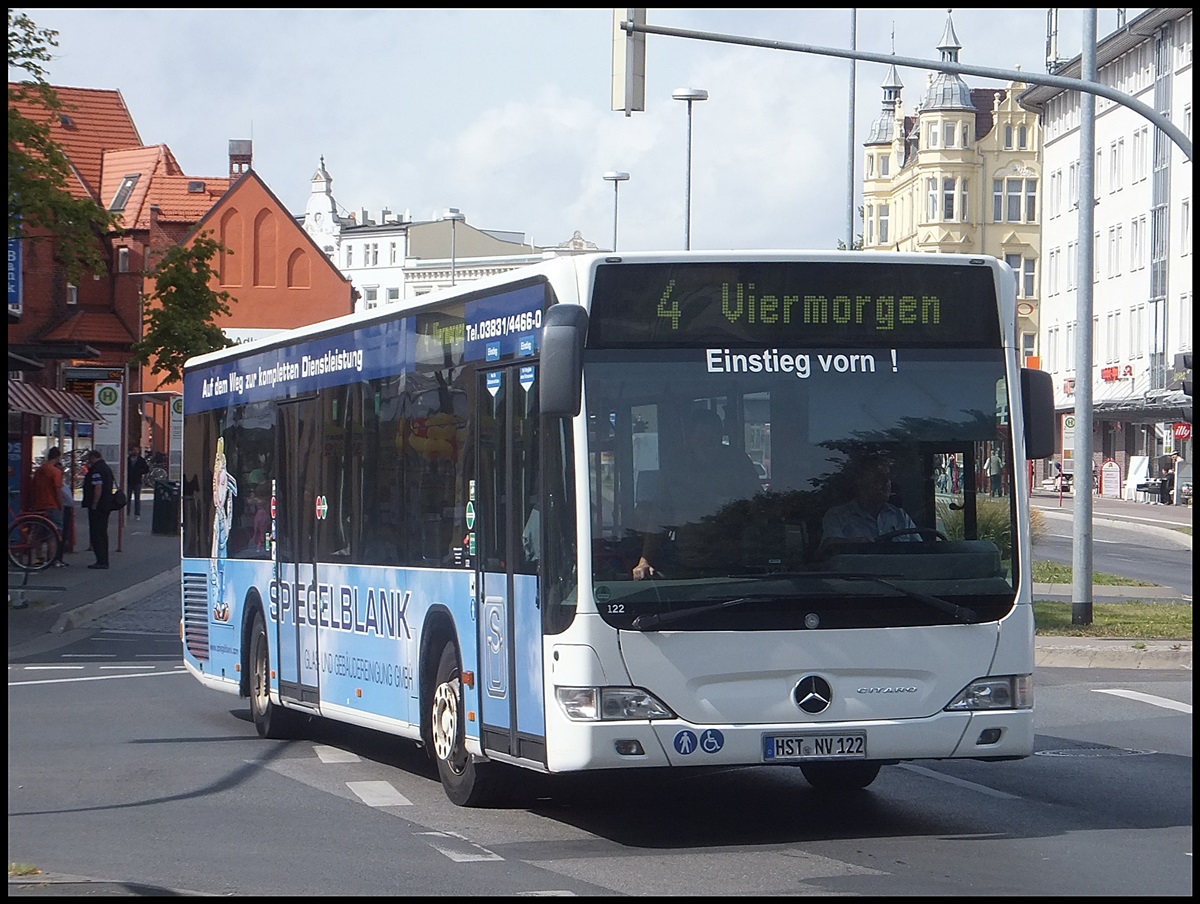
(271, 720)
(468, 782)
(840, 776)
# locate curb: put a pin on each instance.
(89, 612)
(1116, 654)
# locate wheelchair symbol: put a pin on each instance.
(712, 741)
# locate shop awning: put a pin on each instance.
(30, 399)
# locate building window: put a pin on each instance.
(1025, 272)
(1116, 166)
(1028, 345)
(122, 260)
(392, 253)
(1114, 250)
(1096, 257)
(951, 132)
(72, 293)
(885, 167)
(1052, 349)
(1072, 265)
(933, 134)
(1073, 185)
(1137, 331)
(371, 297)
(884, 212)
(349, 256)
(371, 255)
(1185, 227)
(1006, 200)
(932, 191)
(1008, 138)
(1137, 243)
(948, 200)
(1185, 320)
(1023, 137)
(870, 224)
(964, 207)
(870, 166)
(121, 198)
(393, 295)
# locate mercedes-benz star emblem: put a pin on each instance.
(813, 694)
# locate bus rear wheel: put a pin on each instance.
(840, 776)
(468, 782)
(271, 721)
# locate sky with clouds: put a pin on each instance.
(505, 113)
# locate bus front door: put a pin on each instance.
(296, 495)
(511, 703)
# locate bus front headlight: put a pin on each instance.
(610, 704)
(1004, 692)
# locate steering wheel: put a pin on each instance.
(926, 534)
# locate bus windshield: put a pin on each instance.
(847, 485)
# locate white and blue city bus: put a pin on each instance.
(425, 519)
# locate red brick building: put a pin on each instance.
(67, 335)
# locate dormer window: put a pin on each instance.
(123, 193)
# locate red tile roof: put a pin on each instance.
(92, 121)
(161, 183)
(92, 327)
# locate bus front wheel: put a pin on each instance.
(468, 782)
(840, 776)
(270, 720)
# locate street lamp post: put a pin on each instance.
(690, 95)
(616, 178)
(455, 216)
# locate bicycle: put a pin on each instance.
(34, 541)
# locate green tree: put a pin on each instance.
(180, 312)
(39, 173)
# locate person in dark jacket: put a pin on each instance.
(136, 469)
(97, 498)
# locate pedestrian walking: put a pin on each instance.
(136, 469)
(97, 498)
(995, 469)
(45, 496)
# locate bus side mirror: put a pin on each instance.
(1037, 406)
(563, 330)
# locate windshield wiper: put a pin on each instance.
(960, 613)
(653, 620)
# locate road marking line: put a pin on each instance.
(335, 754)
(94, 678)
(141, 668)
(962, 783)
(379, 794)
(51, 668)
(1146, 698)
(462, 852)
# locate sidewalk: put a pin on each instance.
(63, 602)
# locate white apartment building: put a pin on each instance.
(1141, 246)
(392, 257)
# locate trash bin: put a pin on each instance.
(166, 507)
